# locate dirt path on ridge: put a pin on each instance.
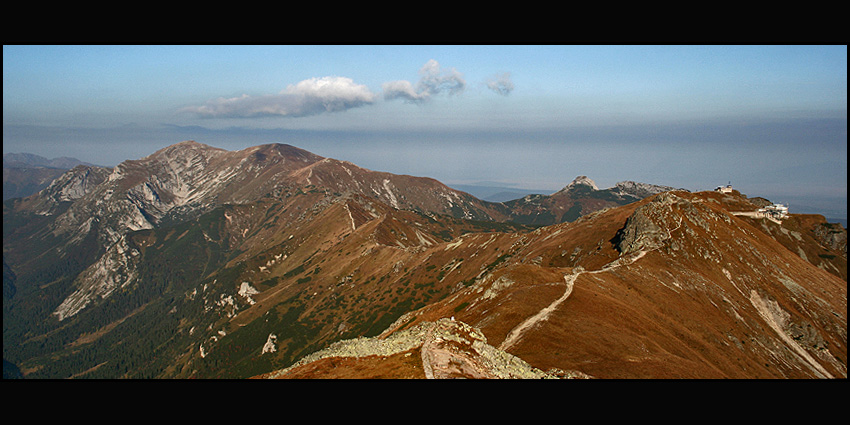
(516, 333)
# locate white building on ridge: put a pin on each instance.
(724, 189)
(775, 211)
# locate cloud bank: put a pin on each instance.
(335, 94)
(309, 97)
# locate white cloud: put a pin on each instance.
(433, 81)
(309, 97)
(402, 90)
(333, 94)
(501, 84)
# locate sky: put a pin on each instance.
(770, 120)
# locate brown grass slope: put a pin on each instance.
(674, 286)
(350, 263)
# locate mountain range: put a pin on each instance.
(274, 262)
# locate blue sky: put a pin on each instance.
(770, 119)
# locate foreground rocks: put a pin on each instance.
(448, 349)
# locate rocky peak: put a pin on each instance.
(76, 182)
(70, 186)
(650, 225)
(580, 181)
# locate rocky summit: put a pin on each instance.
(273, 262)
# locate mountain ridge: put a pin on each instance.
(283, 253)
(649, 345)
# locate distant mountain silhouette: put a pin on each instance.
(25, 174)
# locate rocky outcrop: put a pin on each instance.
(70, 186)
(449, 348)
(833, 235)
(640, 190)
(114, 270)
(646, 228)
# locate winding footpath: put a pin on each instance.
(516, 333)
